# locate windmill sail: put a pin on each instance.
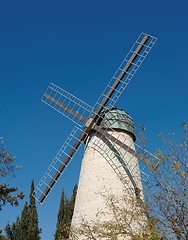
(59, 164)
(77, 110)
(126, 70)
(67, 104)
(90, 117)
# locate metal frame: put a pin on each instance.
(88, 117)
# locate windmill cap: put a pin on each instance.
(116, 118)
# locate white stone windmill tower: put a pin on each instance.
(111, 160)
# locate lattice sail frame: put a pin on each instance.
(61, 100)
(65, 103)
(130, 72)
(78, 112)
(57, 163)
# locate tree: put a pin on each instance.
(72, 202)
(125, 222)
(14, 231)
(1, 236)
(60, 217)
(26, 226)
(7, 167)
(33, 229)
(65, 214)
(69, 209)
(168, 204)
(164, 215)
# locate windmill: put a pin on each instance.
(111, 157)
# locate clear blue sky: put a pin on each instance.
(78, 45)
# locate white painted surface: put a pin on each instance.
(97, 176)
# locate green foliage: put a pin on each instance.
(165, 212)
(14, 232)
(168, 204)
(26, 226)
(1, 236)
(6, 195)
(6, 162)
(64, 217)
(128, 220)
(33, 229)
(60, 217)
(7, 167)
